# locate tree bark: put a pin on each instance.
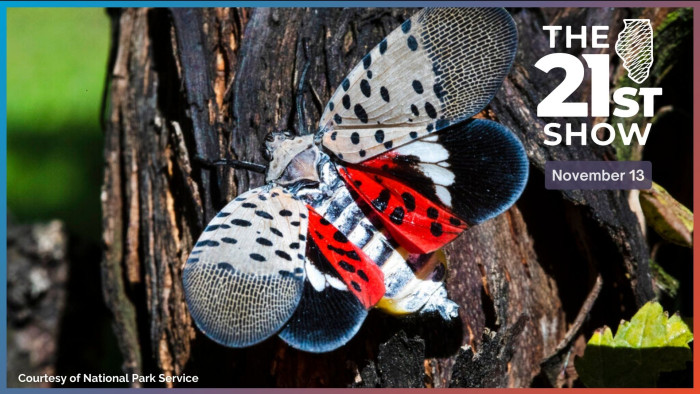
(37, 282)
(210, 83)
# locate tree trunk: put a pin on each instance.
(37, 281)
(212, 82)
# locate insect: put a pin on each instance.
(354, 215)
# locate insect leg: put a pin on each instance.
(244, 165)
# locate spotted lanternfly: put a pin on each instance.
(354, 215)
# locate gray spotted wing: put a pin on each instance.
(442, 66)
(245, 275)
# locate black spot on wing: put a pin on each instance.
(408, 201)
(339, 251)
(388, 144)
(355, 138)
(283, 255)
(248, 205)
(432, 213)
(360, 113)
(241, 222)
(355, 285)
(436, 229)
(338, 119)
(414, 109)
(362, 275)
(346, 84)
(381, 202)
(346, 101)
(346, 266)
(455, 222)
(276, 232)
(213, 227)
(351, 254)
(430, 110)
(263, 241)
(382, 47)
(384, 93)
(406, 26)
(379, 136)
(365, 88)
(257, 257)
(412, 43)
(367, 61)
(285, 212)
(413, 135)
(222, 214)
(263, 214)
(206, 242)
(417, 86)
(396, 215)
(340, 237)
(229, 240)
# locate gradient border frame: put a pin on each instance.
(695, 5)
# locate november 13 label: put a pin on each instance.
(597, 175)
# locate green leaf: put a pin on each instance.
(669, 218)
(650, 343)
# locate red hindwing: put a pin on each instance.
(359, 273)
(414, 221)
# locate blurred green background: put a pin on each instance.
(56, 65)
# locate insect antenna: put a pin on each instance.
(243, 165)
(300, 102)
